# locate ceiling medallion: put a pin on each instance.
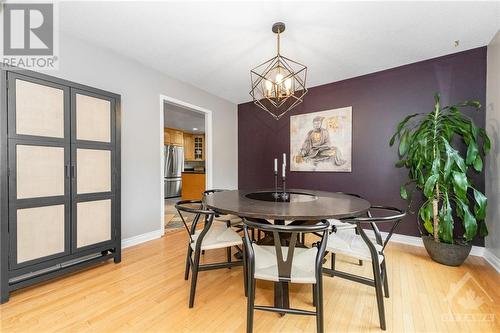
(279, 84)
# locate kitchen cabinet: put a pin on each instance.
(193, 185)
(199, 147)
(188, 147)
(173, 137)
(194, 147)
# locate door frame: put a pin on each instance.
(208, 147)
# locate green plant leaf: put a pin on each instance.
(486, 141)
(472, 152)
(425, 213)
(480, 208)
(459, 161)
(421, 179)
(447, 166)
(400, 127)
(403, 144)
(436, 164)
(478, 164)
(483, 229)
(403, 193)
(473, 103)
(446, 221)
(429, 185)
(437, 98)
(451, 156)
(460, 184)
(474, 130)
(400, 163)
(470, 223)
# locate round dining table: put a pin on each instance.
(296, 205)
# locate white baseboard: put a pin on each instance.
(135, 240)
(478, 251)
(492, 259)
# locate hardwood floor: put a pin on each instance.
(147, 293)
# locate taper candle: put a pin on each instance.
(275, 165)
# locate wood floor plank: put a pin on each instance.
(146, 292)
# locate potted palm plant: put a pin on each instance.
(437, 168)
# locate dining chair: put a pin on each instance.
(361, 247)
(339, 226)
(230, 219)
(284, 262)
(211, 236)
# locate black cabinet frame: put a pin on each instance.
(11, 276)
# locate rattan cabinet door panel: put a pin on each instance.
(93, 118)
(39, 110)
(40, 232)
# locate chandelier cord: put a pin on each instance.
(278, 41)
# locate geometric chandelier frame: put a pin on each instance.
(278, 84)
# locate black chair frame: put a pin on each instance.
(284, 266)
(379, 281)
(193, 264)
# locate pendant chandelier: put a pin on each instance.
(279, 84)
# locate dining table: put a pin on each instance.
(272, 206)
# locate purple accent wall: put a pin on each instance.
(379, 102)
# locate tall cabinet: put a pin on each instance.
(60, 178)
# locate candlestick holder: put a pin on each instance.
(284, 195)
(276, 195)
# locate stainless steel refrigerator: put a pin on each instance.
(174, 165)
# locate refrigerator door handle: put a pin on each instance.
(174, 162)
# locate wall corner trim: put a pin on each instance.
(492, 259)
(136, 240)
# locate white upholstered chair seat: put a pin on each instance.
(350, 244)
(233, 219)
(266, 265)
(339, 225)
(218, 236)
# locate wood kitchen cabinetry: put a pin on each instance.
(194, 147)
(188, 147)
(173, 137)
(193, 185)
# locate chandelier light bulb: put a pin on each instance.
(279, 78)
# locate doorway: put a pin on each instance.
(186, 156)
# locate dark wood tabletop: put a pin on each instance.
(303, 205)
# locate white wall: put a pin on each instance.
(493, 160)
(140, 88)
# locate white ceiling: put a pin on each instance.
(213, 45)
(183, 119)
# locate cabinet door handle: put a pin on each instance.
(66, 171)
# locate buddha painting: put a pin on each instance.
(324, 146)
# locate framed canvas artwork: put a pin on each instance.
(322, 141)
